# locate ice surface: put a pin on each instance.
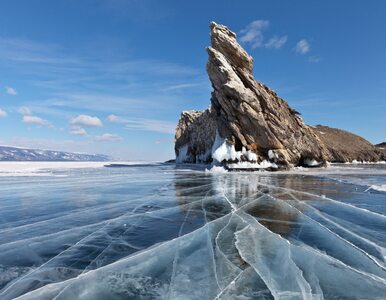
(162, 232)
(248, 165)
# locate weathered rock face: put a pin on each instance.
(195, 135)
(252, 123)
(344, 146)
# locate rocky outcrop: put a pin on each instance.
(195, 135)
(344, 146)
(247, 121)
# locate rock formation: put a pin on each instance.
(344, 146)
(247, 121)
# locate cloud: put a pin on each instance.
(151, 125)
(180, 86)
(25, 111)
(3, 113)
(108, 137)
(35, 120)
(144, 124)
(302, 47)
(77, 130)
(65, 78)
(86, 120)
(114, 119)
(10, 91)
(276, 42)
(252, 34)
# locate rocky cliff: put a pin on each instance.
(344, 146)
(247, 123)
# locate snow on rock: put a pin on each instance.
(380, 188)
(216, 170)
(311, 162)
(222, 150)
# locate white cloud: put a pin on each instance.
(25, 111)
(180, 86)
(3, 113)
(35, 120)
(303, 46)
(253, 33)
(151, 125)
(10, 91)
(276, 42)
(144, 124)
(77, 130)
(114, 119)
(108, 137)
(86, 120)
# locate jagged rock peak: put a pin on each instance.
(247, 121)
(224, 41)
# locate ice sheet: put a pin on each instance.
(160, 232)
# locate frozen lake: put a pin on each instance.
(154, 231)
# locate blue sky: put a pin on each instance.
(112, 76)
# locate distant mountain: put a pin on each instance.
(23, 154)
(381, 145)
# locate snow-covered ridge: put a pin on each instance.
(8, 153)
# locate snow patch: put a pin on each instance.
(380, 188)
(249, 154)
(273, 155)
(216, 170)
(311, 162)
(222, 150)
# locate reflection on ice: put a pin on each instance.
(162, 233)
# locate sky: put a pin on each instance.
(112, 76)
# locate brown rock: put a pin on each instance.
(195, 135)
(344, 146)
